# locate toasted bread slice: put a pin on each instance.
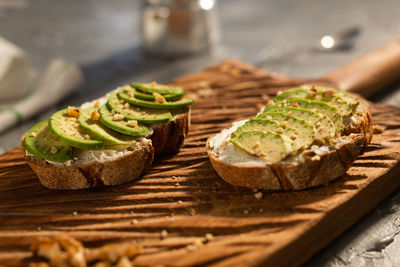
(91, 168)
(316, 165)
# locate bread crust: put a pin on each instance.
(301, 174)
(167, 138)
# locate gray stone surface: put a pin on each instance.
(103, 37)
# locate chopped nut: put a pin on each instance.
(329, 93)
(290, 113)
(132, 123)
(293, 137)
(86, 136)
(53, 150)
(318, 124)
(73, 111)
(270, 103)
(279, 105)
(118, 117)
(159, 99)
(269, 117)
(126, 105)
(198, 243)
(75, 213)
(279, 130)
(95, 115)
(295, 104)
(97, 104)
(163, 234)
(33, 134)
(283, 124)
(209, 237)
(180, 201)
(134, 221)
(258, 195)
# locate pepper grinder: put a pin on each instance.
(172, 28)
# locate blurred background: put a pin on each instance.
(114, 42)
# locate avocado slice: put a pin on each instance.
(150, 97)
(332, 97)
(147, 104)
(110, 136)
(317, 106)
(150, 88)
(107, 118)
(324, 126)
(306, 132)
(67, 129)
(271, 126)
(143, 115)
(41, 143)
(268, 146)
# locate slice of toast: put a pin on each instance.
(112, 167)
(316, 165)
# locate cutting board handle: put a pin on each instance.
(369, 73)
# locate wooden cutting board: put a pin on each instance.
(183, 194)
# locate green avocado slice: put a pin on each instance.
(110, 136)
(147, 104)
(41, 143)
(68, 130)
(143, 115)
(162, 89)
(271, 126)
(324, 126)
(107, 118)
(344, 103)
(317, 106)
(268, 146)
(149, 97)
(306, 132)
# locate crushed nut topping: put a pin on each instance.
(290, 113)
(73, 112)
(126, 105)
(329, 93)
(316, 157)
(209, 237)
(95, 115)
(270, 103)
(132, 123)
(283, 124)
(53, 150)
(118, 117)
(293, 137)
(159, 99)
(279, 130)
(86, 136)
(134, 221)
(295, 104)
(33, 134)
(97, 104)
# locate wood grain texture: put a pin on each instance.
(183, 194)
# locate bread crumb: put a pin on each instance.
(95, 115)
(118, 117)
(191, 247)
(258, 195)
(209, 237)
(132, 123)
(134, 221)
(163, 234)
(315, 158)
(377, 129)
(177, 184)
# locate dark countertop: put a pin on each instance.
(103, 38)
